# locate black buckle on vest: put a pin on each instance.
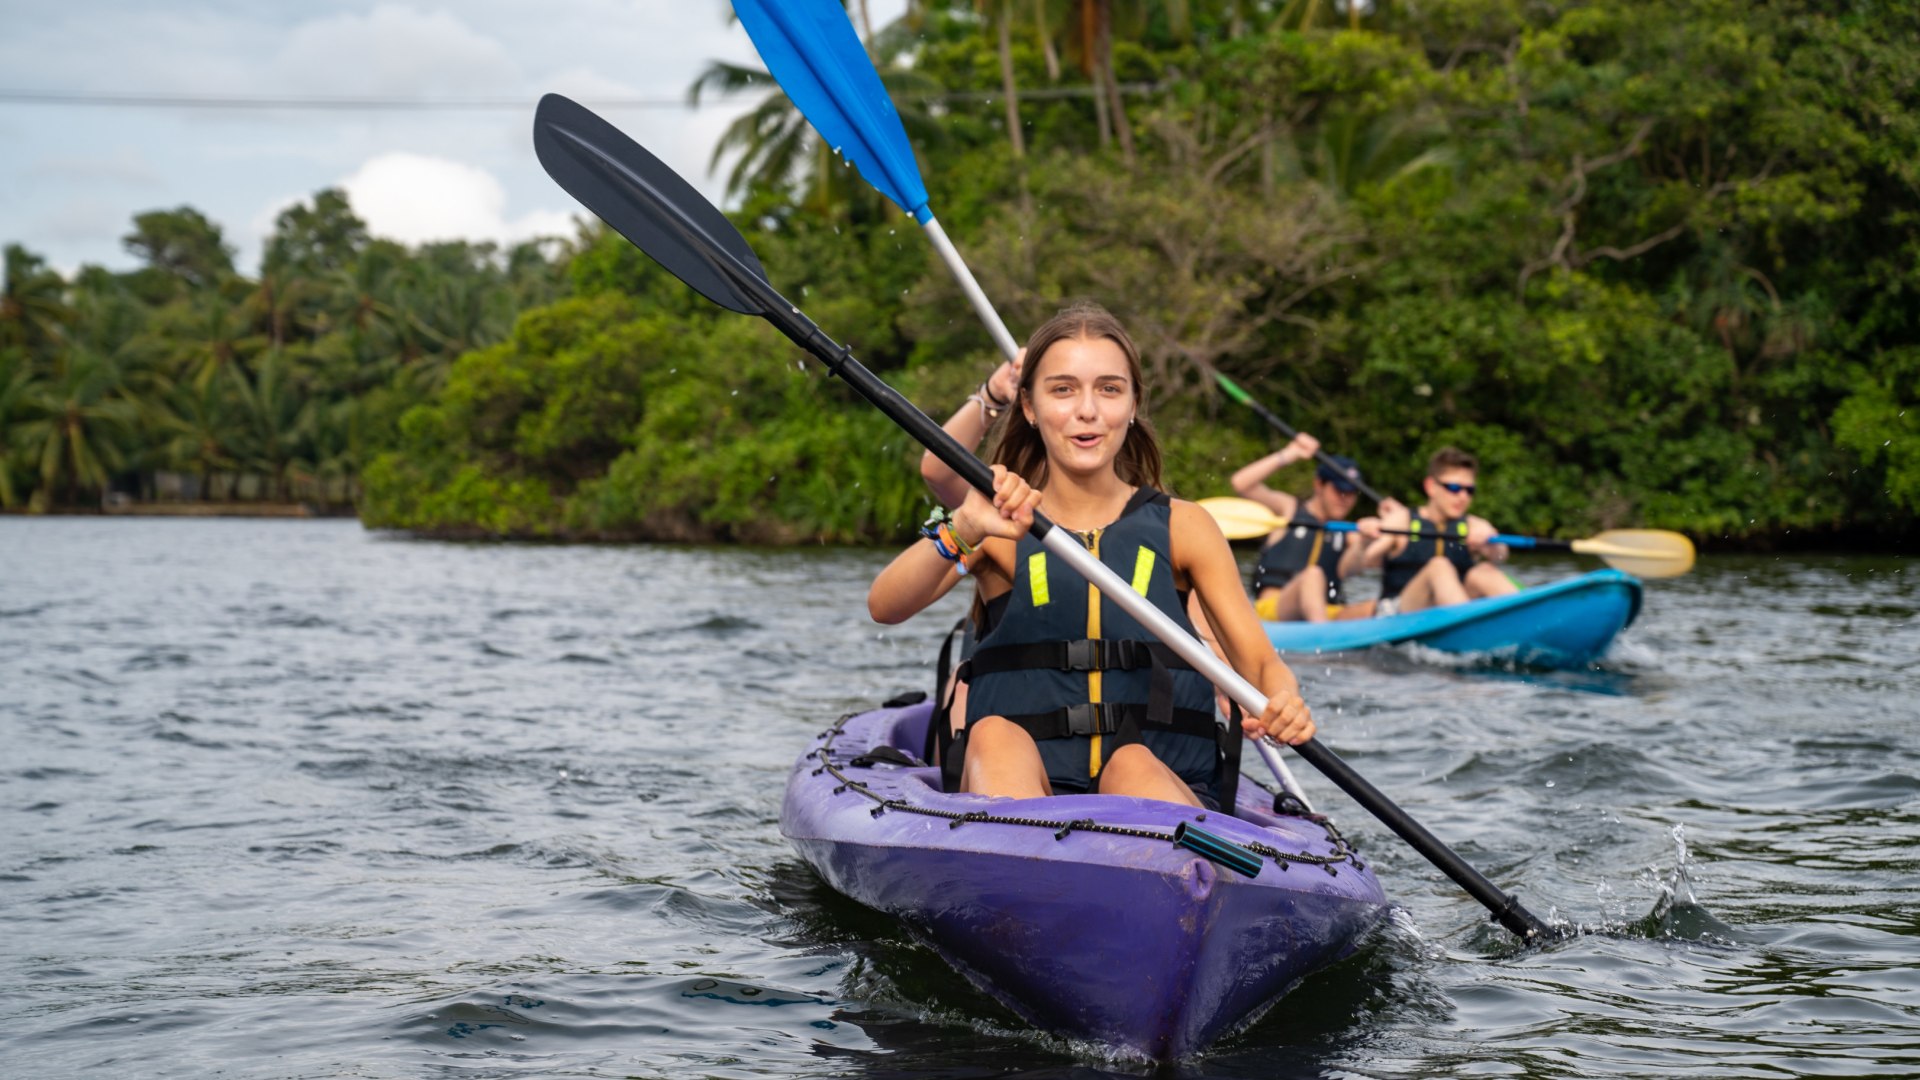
(1081, 655)
(1085, 719)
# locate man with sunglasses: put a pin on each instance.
(1447, 560)
(1302, 569)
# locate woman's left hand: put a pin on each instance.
(1287, 719)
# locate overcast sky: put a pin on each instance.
(72, 177)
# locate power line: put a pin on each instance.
(377, 104)
(357, 104)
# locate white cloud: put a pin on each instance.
(414, 199)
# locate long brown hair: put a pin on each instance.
(1019, 446)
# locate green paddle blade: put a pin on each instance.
(1647, 553)
(1241, 519)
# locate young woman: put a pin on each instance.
(1068, 692)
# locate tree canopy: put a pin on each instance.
(1652, 262)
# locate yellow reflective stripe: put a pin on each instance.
(1093, 677)
(1037, 577)
(1143, 571)
(1313, 556)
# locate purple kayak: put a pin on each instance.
(1079, 912)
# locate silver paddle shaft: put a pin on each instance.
(975, 295)
(1189, 648)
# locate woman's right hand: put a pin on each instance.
(1008, 515)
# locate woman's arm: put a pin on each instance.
(920, 575)
(1200, 552)
(1251, 481)
(968, 426)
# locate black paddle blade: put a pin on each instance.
(646, 202)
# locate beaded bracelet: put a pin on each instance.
(946, 539)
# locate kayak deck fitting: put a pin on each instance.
(1566, 624)
(1079, 912)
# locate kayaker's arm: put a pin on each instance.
(1200, 552)
(1367, 531)
(968, 426)
(920, 575)
(1250, 482)
(1393, 515)
(1479, 529)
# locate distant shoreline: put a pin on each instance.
(199, 510)
(1789, 542)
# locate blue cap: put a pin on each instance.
(1344, 478)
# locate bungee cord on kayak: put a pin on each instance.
(1341, 850)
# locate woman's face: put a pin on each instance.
(1081, 402)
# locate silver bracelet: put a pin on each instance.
(988, 405)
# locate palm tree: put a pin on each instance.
(196, 424)
(33, 309)
(777, 146)
(15, 379)
(75, 422)
(272, 414)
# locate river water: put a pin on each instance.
(290, 799)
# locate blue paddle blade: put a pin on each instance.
(811, 50)
(646, 202)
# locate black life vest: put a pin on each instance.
(1447, 541)
(1068, 664)
(1299, 548)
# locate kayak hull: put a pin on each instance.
(1566, 624)
(1116, 938)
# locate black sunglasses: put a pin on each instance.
(1456, 488)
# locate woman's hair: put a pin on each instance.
(1019, 446)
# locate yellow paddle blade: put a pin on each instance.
(1241, 519)
(1651, 553)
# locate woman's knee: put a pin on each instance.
(1132, 761)
(996, 735)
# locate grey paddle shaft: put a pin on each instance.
(981, 305)
(1160, 625)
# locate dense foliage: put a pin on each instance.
(187, 380)
(1654, 262)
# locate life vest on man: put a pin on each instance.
(1448, 541)
(1304, 544)
(1084, 678)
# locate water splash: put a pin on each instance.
(1677, 912)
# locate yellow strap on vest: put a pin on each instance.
(1037, 577)
(1143, 571)
(1093, 677)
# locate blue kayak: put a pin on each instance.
(1563, 625)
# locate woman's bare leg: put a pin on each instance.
(1003, 760)
(1134, 770)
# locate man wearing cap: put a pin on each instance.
(1302, 570)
